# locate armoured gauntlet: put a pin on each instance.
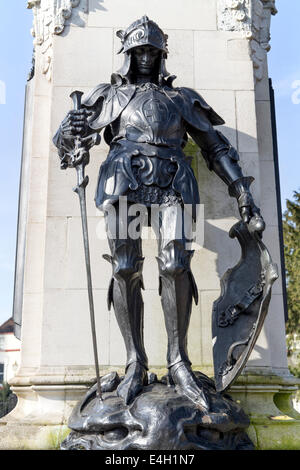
(240, 190)
(223, 159)
(74, 138)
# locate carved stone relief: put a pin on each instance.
(49, 17)
(234, 15)
(252, 18)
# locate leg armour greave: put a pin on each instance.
(177, 288)
(125, 295)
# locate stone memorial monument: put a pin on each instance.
(218, 50)
(146, 123)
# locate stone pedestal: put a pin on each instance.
(220, 51)
(267, 398)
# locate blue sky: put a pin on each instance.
(15, 63)
(15, 60)
(284, 69)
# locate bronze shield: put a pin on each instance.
(240, 311)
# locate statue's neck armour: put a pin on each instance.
(150, 117)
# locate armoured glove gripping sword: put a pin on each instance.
(79, 158)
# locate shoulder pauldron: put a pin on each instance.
(194, 109)
(107, 102)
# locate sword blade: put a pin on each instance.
(80, 190)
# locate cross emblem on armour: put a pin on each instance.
(155, 111)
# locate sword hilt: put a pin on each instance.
(76, 97)
(80, 156)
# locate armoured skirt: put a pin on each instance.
(146, 174)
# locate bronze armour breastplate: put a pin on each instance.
(150, 117)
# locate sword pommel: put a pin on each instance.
(76, 97)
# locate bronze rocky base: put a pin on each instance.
(160, 418)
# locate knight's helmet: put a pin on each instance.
(143, 32)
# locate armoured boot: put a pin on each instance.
(125, 295)
(177, 288)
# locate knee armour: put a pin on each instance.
(127, 266)
(173, 261)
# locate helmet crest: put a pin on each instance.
(143, 32)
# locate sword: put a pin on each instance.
(80, 160)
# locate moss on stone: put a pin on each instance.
(280, 435)
(192, 150)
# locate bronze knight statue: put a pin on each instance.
(146, 123)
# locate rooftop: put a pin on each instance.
(7, 327)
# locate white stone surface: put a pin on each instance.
(223, 102)
(61, 183)
(90, 65)
(155, 331)
(268, 190)
(262, 92)
(181, 58)
(214, 69)
(238, 49)
(214, 194)
(34, 266)
(275, 328)
(246, 121)
(66, 333)
(38, 197)
(265, 141)
(32, 317)
(41, 134)
(169, 14)
(218, 254)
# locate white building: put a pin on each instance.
(9, 351)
